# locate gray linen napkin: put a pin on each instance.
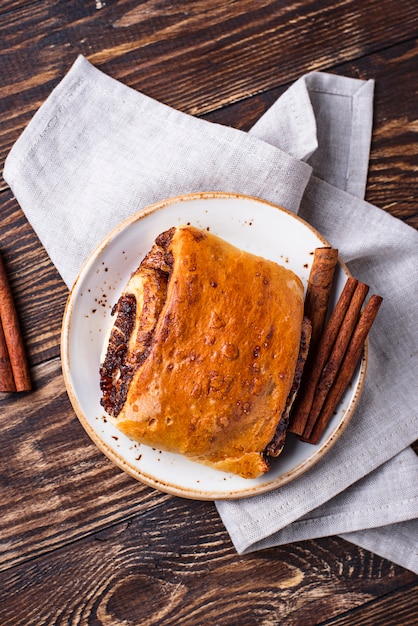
(97, 151)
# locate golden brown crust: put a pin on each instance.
(223, 355)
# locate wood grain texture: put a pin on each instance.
(174, 569)
(398, 607)
(56, 485)
(81, 542)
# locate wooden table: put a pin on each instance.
(83, 543)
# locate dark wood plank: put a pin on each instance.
(172, 566)
(55, 484)
(83, 543)
(192, 55)
(398, 607)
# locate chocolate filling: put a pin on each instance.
(116, 371)
(133, 331)
(276, 444)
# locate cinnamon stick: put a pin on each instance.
(12, 335)
(316, 362)
(7, 382)
(333, 364)
(318, 290)
(348, 366)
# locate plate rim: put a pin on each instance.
(117, 458)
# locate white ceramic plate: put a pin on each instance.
(250, 224)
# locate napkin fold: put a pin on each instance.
(98, 151)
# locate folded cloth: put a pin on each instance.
(98, 151)
(364, 505)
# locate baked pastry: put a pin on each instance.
(206, 352)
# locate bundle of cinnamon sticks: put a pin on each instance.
(336, 345)
(14, 372)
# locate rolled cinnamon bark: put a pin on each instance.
(7, 382)
(317, 361)
(12, 334)
(319, 289)
(348, 366)
(332, 367)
